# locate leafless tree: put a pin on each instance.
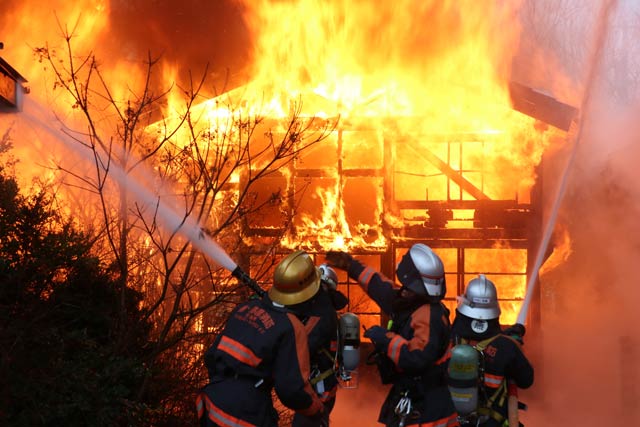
(204, 169)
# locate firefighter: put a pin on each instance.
(411, 352)
(263, 347)
(320, 317)
(503, 366)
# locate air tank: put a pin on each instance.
(463, 378)
(350, 341)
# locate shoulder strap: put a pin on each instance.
(484, 343)
(327, 372)
(499, 393)
(512, 339)
(488, 410)
(480, 345)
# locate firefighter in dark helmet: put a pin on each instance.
(320, 318)
(263, 347)
(502, 366)
(411, 353)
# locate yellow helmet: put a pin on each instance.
(295, 280)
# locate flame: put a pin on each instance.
(562, 249)
(416, 68)
(331, 231)
(430, 76)
(443, 60)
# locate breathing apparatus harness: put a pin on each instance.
(344, 353)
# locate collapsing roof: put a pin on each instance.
(541, 106)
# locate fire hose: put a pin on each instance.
(244, 278)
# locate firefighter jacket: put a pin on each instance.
(506, 367)
(262, 347)
(320, 320)
(415, 352)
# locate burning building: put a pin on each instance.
(378, 182)
(434, 139)
(375, 185)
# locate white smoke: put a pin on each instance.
(587, 352)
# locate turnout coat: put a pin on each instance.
(263, 347)
(506, 368)
(320, 320)
(413, 358)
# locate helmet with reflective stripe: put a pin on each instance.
(422, 271)
(480, 300)
(296, 279)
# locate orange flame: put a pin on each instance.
(420, 68)
(422, 72)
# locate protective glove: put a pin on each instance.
(516, 332)
(339, 259)
(316, 411)
(378, 335)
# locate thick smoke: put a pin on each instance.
(193, 35)
(586, 355)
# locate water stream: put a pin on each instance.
(38, 116)
(597, 55)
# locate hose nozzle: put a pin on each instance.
(244, 278)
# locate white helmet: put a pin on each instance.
(480, 300)
(328, 276)
(422, 271)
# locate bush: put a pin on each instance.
(72, 341)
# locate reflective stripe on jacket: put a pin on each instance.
(261, 347)
(417, 346)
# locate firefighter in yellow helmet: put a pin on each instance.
(263, 347)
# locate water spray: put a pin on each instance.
(605, 13)
(186, 226)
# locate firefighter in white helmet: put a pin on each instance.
(501, 365)
(411, 352)
(263, 347)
